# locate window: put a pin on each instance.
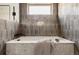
(42, 9)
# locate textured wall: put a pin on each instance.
(69, 20)
(29, 22)
(7, 31)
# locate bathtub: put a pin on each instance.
(40, 45)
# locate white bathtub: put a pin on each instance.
(39, 45)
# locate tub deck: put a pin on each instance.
(40, 45)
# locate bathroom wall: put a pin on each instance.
(69, 20)
(29, 24)
(8, 26)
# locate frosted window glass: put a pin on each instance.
(39, 10)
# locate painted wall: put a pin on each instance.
(29, 23)
(69, 20)
(9, 27)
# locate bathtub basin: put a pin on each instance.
(40, 45)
